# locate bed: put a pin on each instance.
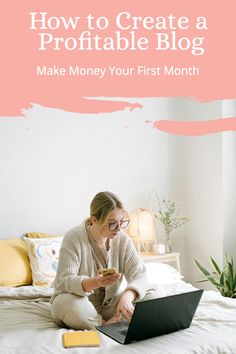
(26, 326)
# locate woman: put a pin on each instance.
(83, 298)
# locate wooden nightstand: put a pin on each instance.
(173, 258)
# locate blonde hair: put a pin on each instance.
(102, 205)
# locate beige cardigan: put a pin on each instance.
(76, 263)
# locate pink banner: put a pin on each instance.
(67, 54)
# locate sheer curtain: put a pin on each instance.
(195, 180)
(202, 176)
(229, 183)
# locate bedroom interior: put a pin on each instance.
(52, 164)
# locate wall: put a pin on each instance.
(53, 162)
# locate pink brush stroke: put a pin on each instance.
(196, 128)
(93, 106)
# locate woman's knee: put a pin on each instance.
(75, 312)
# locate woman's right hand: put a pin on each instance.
(105, 280)
(99, 281)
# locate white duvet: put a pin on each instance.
(26, 326)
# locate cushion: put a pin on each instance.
(40, 235)
(43, 254)
(15, 266)
(162, 273)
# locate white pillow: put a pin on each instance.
(43, 254)
(162, 273)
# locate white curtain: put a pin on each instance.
(229, 183)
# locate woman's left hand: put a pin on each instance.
(125, 306)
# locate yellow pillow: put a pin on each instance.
(14, 263)
(40, 235)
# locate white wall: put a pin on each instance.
(53, 162)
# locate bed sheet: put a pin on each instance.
(27, 292)
(26, 327)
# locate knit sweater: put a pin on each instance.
(76, 263)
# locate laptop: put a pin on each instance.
(152, 318)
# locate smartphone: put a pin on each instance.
(108, 271)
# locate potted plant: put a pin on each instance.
(170, 218)
(224, 280)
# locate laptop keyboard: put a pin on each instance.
(123, 332)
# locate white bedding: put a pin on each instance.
(26, 326)
(28, 292)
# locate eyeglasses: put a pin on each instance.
(112, 226)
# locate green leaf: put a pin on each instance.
(228, 283)
(234, 286)
(209, 276)
(202, 281)
(222, 278)
(231, 269)
(203, 270)
(225, 280)
(215, 265)
(214, 282)
(229, 275)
